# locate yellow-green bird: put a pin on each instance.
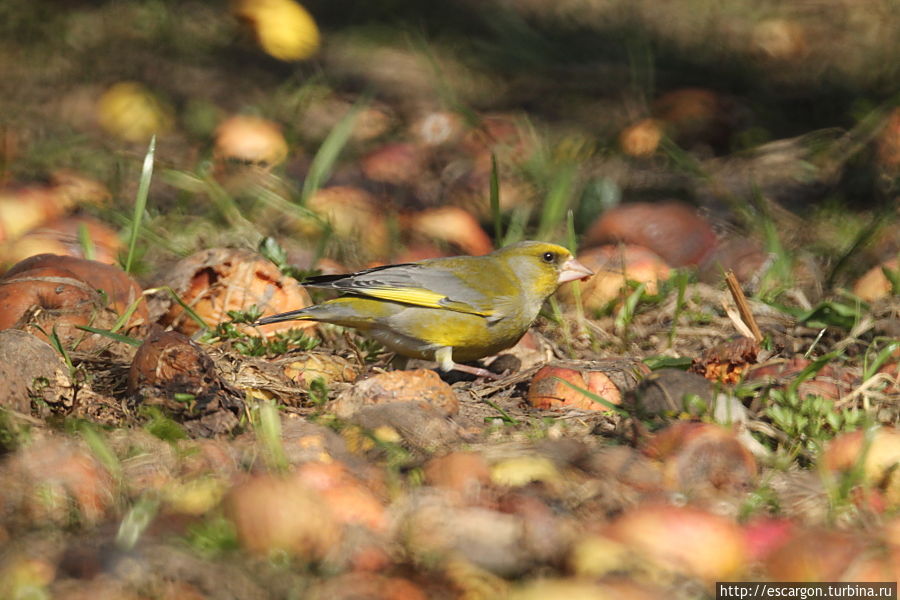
(460, 308)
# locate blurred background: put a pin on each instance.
(220, 151)
(370, 132)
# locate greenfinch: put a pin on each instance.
(459, 308)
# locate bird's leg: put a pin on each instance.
(476, 371)
(444, 358)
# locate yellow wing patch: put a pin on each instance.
(422, 297)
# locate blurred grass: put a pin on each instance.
(589, 67)
(325, 159)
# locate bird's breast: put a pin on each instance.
(470, 336)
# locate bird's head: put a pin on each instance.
(541, 266)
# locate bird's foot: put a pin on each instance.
(444, 358)
(476, 371)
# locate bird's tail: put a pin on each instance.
(293, 315)
(347, 311)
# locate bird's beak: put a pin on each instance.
(572, 270)
(287, 316)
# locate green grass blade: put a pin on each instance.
(572, 245)
(571, 236)
(667, 362)
(152, 237)
(893, 277)
(190, 311)
(111, 335)
(269, 433)
(811, 370)
(495, 200)
(329, 151)
(273, 200)
(225, 204)
(136, 521)
(517, 225)
(123, 318)
(626, 313)
(101, 450)
(594, 397)
(85, 242)
(863, 237)
(505, 416)
(568, 341)
(53, 337)
(880, 359)
(557, 202)
(140, 203)
(681, 280)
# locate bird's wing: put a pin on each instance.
(429, 286)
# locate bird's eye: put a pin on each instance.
(548, 257)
